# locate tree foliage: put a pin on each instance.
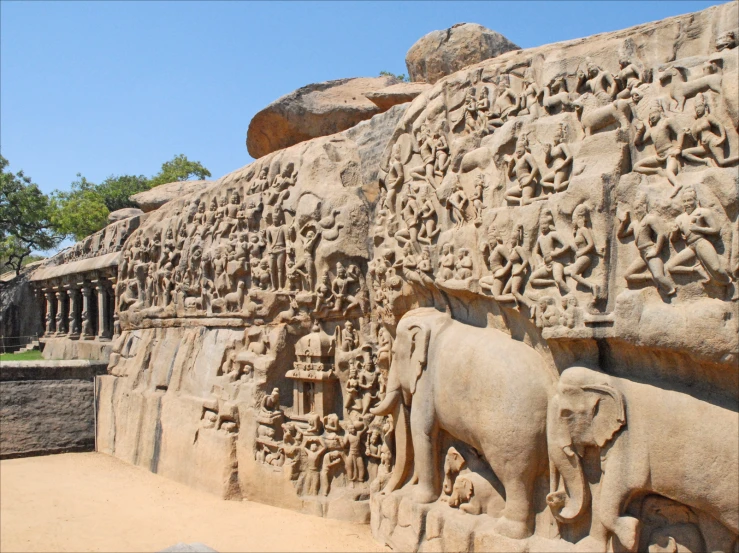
(179, 168)
(402, 77)
(25, 219)
(84, 208)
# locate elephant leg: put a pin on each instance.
(424, 432)
(613, 495)
(515, 520)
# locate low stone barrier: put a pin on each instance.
(47, 407)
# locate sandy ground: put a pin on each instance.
(94, 502)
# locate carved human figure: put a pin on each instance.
(463, 266)
(597, 81)
(279, 190)
(427, 215)
(309, 234)
(478, 197)
(556, 95)
(497, 254)
(571, 312)
(549, 247)
(412, 223)
(483, 109)
(523, 168)
(447, 261)
(518, 265)
(354, 462)
(324, 296)
(585, 248)
(661, 131)
(506, 103)
(456, 204)
(470, 110)
(368, 383)
(353, 400)
(528, 99)
(694, 227)
(628, 77)
(341, 288)
(709, 135)
(560, 156)
(425, 147)
(649, 238)
(349, 337)
(394, 180)
(277, 248)
(330, 460)
(441, 154)
(314, 451)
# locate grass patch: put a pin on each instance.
(21, 356)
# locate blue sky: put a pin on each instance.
(107, 88)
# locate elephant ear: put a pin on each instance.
(419, 352)
(608, 412)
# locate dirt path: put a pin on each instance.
(93, 502)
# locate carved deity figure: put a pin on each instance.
(530, 96)
(447, 261)
(470, 110)
(661, 131)
(584, 249)
(558, 153)
(505, 105)
(463, 266)
(649, 238)
(522, 167)
(428, 217)
(441, 154)
(709, 135)
(629, 77)
(694, 227)
(597, 81)
(497, 254)
(478, 198)
(277, 248)
(456, 204)
(425, 147)
(394, 180)
(518, 265)
(549, 247)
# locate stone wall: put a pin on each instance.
(47, 407)
(502, 317)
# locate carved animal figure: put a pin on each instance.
(680, 89)
(595, 119)
(484, 389)
(468, 491)
(651, 440)
(234, 300)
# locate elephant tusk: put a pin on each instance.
(568, 451)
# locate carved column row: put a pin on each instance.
(79, 310)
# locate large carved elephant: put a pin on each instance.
(480, 386)
(650, 440)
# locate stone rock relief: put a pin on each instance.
(502, 317)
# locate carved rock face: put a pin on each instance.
(441, 53)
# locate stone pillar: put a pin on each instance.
(104, 315)
(50, 312)
(61, 315)
(114, 307)
(87, 323)
(74, 321)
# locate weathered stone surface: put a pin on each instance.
(19, 319)
(160, 195)
(125, 213)
(441, 53)
(501, 317)
(47, 407)
(395, 94)
(314, 110)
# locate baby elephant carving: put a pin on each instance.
(469, 491)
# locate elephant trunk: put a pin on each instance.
(566, 504)
(393, 396)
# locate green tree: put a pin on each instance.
(401, 76)
(84, 208)
(80, 211)
(25, 219)
(179, 168)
